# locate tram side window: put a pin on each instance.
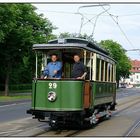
(89, 66)
(102, 70)
(112, 79)
(105, 69)
(109, 72)
(97, 69)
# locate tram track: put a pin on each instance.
(131, 103)
(127, 100)
(32, 131)
(133, 128)
(60, 133)
(15, 128)
(130, 131)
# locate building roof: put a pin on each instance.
(135, 66)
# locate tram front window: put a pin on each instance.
(70, 68)
(53, 68)
(63, 60)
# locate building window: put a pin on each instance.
(131, 79)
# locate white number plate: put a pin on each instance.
(52, 85)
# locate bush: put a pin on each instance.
(20, 87)
(1, 87)
(136, 85)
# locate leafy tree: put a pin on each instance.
(20, 28)
(82, 36)
(118, 53)
(65, 35)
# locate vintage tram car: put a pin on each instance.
(74, 101)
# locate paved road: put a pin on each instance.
(125, 92)
(119, 125)
(17, 110)
(13, 111)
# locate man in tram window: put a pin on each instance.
(79, 70)
(54, 68)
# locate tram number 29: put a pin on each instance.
(52, 85)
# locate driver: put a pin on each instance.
(54, 68)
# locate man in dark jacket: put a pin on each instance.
(79, 70)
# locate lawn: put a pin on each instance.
(14, 98)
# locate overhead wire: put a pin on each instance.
(90, 20)
(65, 12)
(96, 16)
(120, 28)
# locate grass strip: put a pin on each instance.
(14, 98)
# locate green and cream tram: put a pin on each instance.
(75, 101)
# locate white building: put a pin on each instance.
(134, 78)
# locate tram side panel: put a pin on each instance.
(103, 93)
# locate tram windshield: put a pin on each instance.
(65, 56)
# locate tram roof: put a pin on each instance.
(70, 43)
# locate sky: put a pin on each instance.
(124, 28)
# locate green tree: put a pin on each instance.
(65, 35)
(20, 28)
(117, 52)
(82, 36)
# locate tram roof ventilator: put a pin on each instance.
(62, 41)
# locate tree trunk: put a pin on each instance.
(7, 84)
(7, 79)
(117, 84)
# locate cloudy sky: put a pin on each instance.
(124, 29)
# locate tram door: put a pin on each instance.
(88, 62)
(87, 94)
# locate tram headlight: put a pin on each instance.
(51, 96)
